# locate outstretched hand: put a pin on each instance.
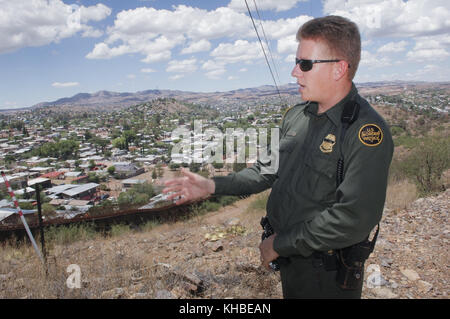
(190, 187)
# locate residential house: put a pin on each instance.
(127, 169)
(84, 192)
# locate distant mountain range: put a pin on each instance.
(111, 100)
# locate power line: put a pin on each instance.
(267, 42)
(265, 55)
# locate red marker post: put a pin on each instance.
(24, 221)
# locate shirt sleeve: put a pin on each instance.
(247, 181)
(362, 195)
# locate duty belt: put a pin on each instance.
(326, 259)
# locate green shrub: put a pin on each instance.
(111, 170)
(227, 200)
(144, 188)
(125, 198)
(26, 205)
(395, 130)
(140, 199)
(427, 162)
(210, 206)
(406, 140)
(48, 210)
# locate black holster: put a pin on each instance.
(349, 269)
(347, 262)
(350, 263)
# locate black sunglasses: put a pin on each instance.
(306, 65)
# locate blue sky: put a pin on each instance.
(53, 48)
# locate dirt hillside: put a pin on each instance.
(216, 256)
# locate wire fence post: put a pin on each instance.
(41, 228)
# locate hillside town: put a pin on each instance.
(92, 159)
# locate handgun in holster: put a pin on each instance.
(350, 263)
(268, 231)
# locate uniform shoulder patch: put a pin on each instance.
(370, 135)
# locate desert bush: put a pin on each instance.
(111, 170)
(140, 199)
(396, 130)
(227, 200)
(144, 188)
(210, 206)
(125, 198)
(407, 140)
(427, 162)
(48, 209)
(26, 205)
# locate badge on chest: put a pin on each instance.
(328, 143)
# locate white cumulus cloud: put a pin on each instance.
(155, 33)
(287, 45)
(394, 18)
(197, 46)
(40, 22)
(239, 51)
(183, 66)
(430, 48)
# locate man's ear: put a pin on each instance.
(340, 69)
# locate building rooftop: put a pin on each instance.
(38, 180)
(80, 189)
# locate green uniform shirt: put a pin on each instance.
(305, 208)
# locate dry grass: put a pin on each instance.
(149, 263)
(400, 194)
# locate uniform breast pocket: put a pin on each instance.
(319, 179)
(287, 144)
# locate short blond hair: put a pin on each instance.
(340, 35)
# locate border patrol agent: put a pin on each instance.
(330, 187)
